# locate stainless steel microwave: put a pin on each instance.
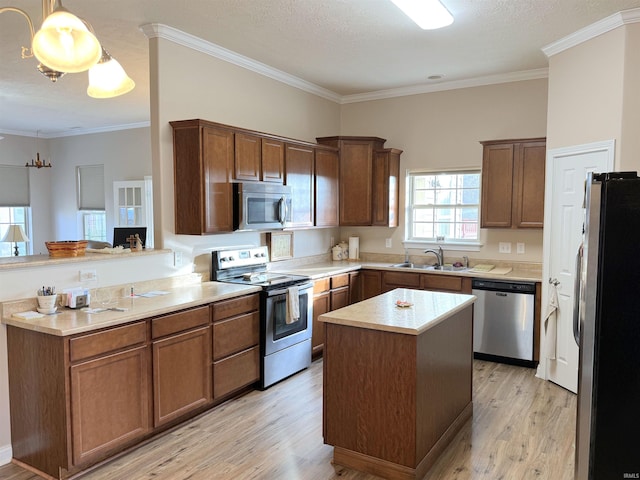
(261, 206)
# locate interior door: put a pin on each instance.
(564, 217)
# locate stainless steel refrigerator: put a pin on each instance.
(608, 330)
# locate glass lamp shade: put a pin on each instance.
(108, 79)
(65, 44)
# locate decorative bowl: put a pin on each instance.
(67, 248)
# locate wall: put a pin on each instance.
(442, 130)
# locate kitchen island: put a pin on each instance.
(397, 380)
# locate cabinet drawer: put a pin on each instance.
(235, 372)
(107, 341)
(235, 334)
(321, 285)
(235, 306)
(178, 322)
(442, 282)
(400, 279)
(340, 281)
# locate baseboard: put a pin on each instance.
(5, 454)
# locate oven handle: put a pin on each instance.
(301, 288)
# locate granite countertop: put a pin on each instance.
(69, 322)
(329, 268)
(381, 312)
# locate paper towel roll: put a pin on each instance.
(354, 248)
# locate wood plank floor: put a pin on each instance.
(522, 428)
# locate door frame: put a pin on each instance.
(554, 155)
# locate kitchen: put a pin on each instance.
(481, 112)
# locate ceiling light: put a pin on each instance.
(428, 14)
(64, 43)
(108, 79)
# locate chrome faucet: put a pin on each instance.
(406, 255)
(439, 255)
(466, 261)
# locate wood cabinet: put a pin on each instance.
(513, 173)
(327, 171)
(386, 187)
(203, 169)
(299, 174)
(425, 281)
(330, 293)
(236, 344)
(355, 287)
(392, 280)
(368, 180)
(258, 159)
(371, 283)
(80, 399)
(181, 350)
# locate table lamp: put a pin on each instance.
(16, 234)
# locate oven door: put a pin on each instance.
(278, 334)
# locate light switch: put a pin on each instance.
(387, 243)
(520, 247)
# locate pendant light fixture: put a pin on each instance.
(108, 79)
(66, 43)
(428, 14)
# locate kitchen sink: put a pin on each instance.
(445, 268)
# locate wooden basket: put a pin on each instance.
(67, 248)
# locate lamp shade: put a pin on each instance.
(65, 44)
(15, 233)
(108, 79)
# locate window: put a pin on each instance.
(443, 206)
(19, 216)
(94, 225)
(90, 190)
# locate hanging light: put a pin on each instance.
(52, 75)
(64, 43)
(108, 79)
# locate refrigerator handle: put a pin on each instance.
(577, 287)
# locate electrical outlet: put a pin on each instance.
(88, 275)
(504, 247)
(177, 259)
(387, 242)
(520, 247)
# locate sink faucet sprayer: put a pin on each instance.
(439, 255)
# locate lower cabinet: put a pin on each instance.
(236, 344)
(329, 294)
(78, 400)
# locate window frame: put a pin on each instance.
(26, 225)
(419, 242)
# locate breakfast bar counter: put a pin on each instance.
(397, 380)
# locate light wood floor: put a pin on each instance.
(522, 428)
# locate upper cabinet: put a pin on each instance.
(513, 183)
(203, 168)
(258, 159)
(299, 176)
(368, 193)
(327, 171)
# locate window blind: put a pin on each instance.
(90, 187)
(14, 186)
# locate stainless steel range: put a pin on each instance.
(285, 310)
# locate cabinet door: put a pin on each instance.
(235, 372)
(181, 374)
(339, 298)
(529, 168)
(386, 172)
(272, 161)
(392, 280)
(356, 170)
(321, 304)
(371, 283)
(299, 175)
(327, 170)
(443, 283)
(109, 403)
(497, 186)
(217, 205)
(247, 161)
(355, 287)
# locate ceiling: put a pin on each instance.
(348, 47)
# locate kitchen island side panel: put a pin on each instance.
(370, 392)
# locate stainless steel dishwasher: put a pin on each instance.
(503, 321)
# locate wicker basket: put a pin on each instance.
(67, 248)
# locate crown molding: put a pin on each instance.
(157, 30)
(452, 85)
(589, 32)
(77, 131)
